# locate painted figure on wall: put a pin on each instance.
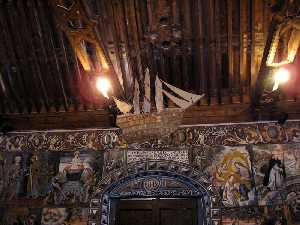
(233, 176)
(293, 205)
(15, 178)
(2, 174)
(21, 216)
(64, 216)
(275, 175)
(54, 216)
(24, 177)
(230, 196)
(113, 160)
(76, 176)
(74, 180)
(292, 159)
(34, 177)
(270, 172)
(297, 159)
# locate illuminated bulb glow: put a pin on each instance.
(103, 86)
(281, 76)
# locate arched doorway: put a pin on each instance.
(154, 182)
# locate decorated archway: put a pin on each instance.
(159, 179)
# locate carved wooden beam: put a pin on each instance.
(257, 33)
(21, 59)
(30, 31)
(245, 56)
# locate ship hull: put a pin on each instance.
(155, 125)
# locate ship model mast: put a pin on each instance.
(145, 124)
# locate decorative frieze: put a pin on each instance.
(197, 135)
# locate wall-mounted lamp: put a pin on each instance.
(103, 86)
(281, 76)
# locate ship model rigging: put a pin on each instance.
(146, 123)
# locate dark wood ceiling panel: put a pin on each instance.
(39, 71)
(183, 42)
(16, 58)
(203, 46)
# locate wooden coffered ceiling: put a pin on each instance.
(202, 46)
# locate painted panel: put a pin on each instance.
(44, 216)
(230, 171)
(49, 178)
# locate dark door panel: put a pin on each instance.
(135, 217)
(156, 212)
(176, 217)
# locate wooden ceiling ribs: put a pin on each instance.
(203, 46)
(218, 58)
(25, 53)
(14, 58)
(100, 45)
(40, 50)
(199, 43)
(245, 51)
(6, 80)
(54, 48)
(187, 46)
(127, 59)
(110, 7)
(51, 57)
(28, 30)
(258, 37)
(131, 17)
(212, 53)
(66, 69)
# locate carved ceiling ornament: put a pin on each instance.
(287, 31)
(282, 45)
(293, 42)
(79, 29)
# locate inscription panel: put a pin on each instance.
(138, 155)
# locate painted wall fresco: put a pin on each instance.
(113, 160)
(270, 173)
(254, 169)
(49, 178)
(230, 172)
(245, 177)
(45, 216)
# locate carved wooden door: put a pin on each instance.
(156, 212)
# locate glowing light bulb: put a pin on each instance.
(281, 76)
(103, 86)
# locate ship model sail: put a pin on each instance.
(146, 124)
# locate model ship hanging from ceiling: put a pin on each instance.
(146, 122)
